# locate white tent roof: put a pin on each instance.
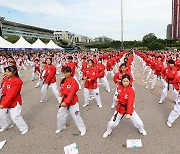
(22, 43)
(52, 45)
(5, 44)
(39, 44)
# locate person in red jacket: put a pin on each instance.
(90, 76)
(158, 68)
(68, 90)
(125, 99)
(102, 76)
(176, 111)
(49, 79)
(11, 102)
(73, 68)
(168, 74)
(36, 69)
(109, 66)
(123, 69)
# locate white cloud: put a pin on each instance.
(98, 17)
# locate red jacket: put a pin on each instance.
(37, 68)
(50, 75)
(101, 70)
(72, 65)
(177, 64)
(109, 65)
(68, 90)
(176, 82)
(118, 76)
(92, 74)
(169, 74)
(11, 92)
(158, 68)
(125, 100)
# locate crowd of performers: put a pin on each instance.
(93, 68)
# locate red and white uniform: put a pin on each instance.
(68, 90)
(50, 79)
(91, 84)
(11, 102)
(125, 105)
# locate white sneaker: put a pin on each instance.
(112, 106)
(80, 88)
(3, 129)
(41, 101)
(108, 91)
(85, 105)
(105, 135)
(144, 133)
(58, 131)
(10, 126)
(24, 131)
(160, 102)
(100, 105)
(169, 124)
(152, 88)
(36, 86)
(83, 133)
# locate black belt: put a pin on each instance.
(115, 116)
(169, 79)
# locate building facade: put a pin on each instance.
(30, 32)
(59, 35)
(176, 19)
(169, 31)
(103, 39)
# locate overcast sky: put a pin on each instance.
(93, 18)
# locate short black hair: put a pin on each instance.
(126, 76)
(70, 57)
(171, 61)
(67, 70)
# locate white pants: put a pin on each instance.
(165, 90)
(134, 118)
(34, 75)
(105, 81)
(77, 81)
(54, 89)
(95, 93)
(150, 72)
(115, 98)
(12, 115)
(2, 68)
(39, 83)
(145, 68)
(75, 114)
(176, 111)
(154, 81)
(110, 72)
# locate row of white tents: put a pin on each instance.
(23, 44)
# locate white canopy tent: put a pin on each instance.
(52, 45)
(22, 43)
(38, 44)
(5, 44)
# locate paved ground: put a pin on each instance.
(41, 117)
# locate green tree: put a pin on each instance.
(12, 38)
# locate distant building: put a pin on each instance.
(59, 35)
(103, 39)
(169, 31)
(10, 28)
(176, 19)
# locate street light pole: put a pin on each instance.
(121, 24)
(1, 20)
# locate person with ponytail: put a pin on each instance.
(11, 101)
(125, 106)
